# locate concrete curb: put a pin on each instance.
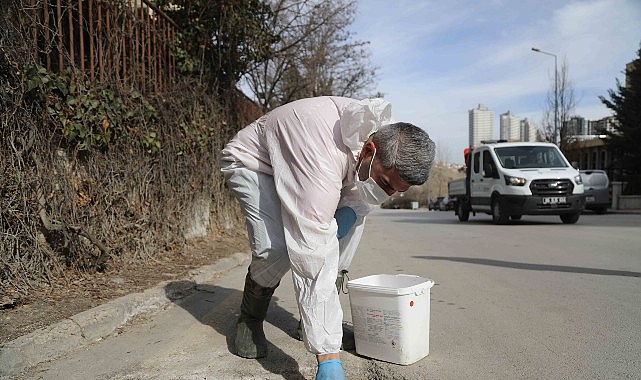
(624, 211)
(92, 325)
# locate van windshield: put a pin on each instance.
(524, 157)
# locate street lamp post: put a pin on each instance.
(556, 94)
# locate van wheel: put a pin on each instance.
(570, 218)
(463, 211)
(498, 216)
(515, 217)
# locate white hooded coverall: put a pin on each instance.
(290, 170)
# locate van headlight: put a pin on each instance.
(514, 181)
(578, 180)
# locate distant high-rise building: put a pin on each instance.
(601, 126)
(510, 127)
(481, 125)
(528, 131)
(629, 68)
(576, 126)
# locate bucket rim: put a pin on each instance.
(426, 284)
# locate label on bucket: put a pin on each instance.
(376, 325)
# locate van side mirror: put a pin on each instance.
(575, 165)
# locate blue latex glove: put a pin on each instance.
(345, 218)
(330, 370)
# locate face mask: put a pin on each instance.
(370, 191)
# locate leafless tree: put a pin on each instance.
(315, 55)
(443, 153)
(563, 90)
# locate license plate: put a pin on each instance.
(589, 199)
(553, 200)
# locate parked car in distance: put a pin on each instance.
(435, 203)
(447, 204)
(596, 186)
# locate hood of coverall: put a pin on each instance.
(362, 118)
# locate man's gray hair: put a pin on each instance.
(407, 148)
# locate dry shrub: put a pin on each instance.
(87, 201)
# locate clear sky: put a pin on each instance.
(439, 59)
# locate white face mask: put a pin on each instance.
(370, 191)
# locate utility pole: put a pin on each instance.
(556, 94)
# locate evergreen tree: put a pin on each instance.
(624, 143)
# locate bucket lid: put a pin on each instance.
(395, 284)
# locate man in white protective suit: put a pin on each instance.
(305, 175)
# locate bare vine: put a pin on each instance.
(66, 208)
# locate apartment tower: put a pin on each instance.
(510, 127)
(481, 125)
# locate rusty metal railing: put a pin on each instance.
(127, 42)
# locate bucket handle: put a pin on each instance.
(341, 284)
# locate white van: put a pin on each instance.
(511, 179)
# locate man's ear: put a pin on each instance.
(367, 149)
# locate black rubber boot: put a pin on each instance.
(250, 338)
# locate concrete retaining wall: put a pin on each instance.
(627, 202)
(624, 202)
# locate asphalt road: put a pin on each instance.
(533, 300)
(536, 299)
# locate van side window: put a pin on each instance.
(489, 166)
(477, 158)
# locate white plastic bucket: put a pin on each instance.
(391, 317)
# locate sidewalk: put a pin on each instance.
(90, 326)
(178, 330)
